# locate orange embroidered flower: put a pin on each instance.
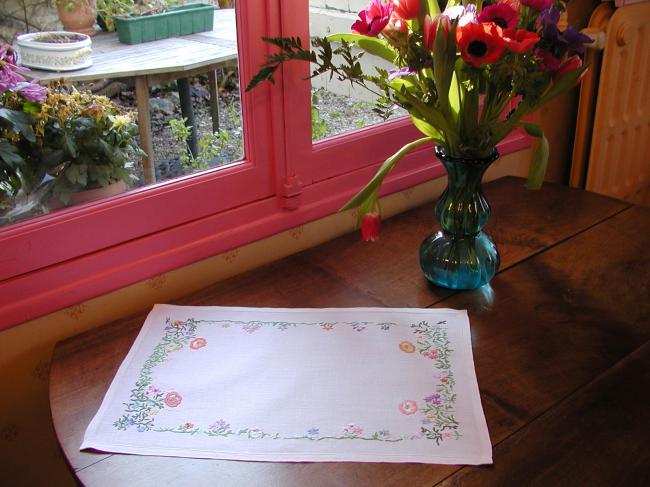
(407, 347)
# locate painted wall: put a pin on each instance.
(29, 454)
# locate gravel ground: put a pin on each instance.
(332, 114)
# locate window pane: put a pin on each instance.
(338, 107)
(86, 140)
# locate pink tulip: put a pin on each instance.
(370, 226)
(547, 62)
(373, 18)
(396, 30)
(407, 9)
(567, 66)
(431, 28)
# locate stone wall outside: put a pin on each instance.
(40, 15)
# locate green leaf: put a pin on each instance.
(540, 156)
(372, 45)
(370, 189)
(20, 122)
(9, 153)
(426, 128)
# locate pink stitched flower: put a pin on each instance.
(432, 353)
(198, 343)
(172, 399)
(408, 407)
(327, 327)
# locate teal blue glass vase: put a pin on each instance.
(461, 255)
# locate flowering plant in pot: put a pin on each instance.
(455, 72)
(62, 143)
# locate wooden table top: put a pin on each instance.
(560, 343)
(112, 59)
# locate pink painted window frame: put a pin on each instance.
(80, 253)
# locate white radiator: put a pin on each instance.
(612, 153)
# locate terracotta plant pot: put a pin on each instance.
(81, 18)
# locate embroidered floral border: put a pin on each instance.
(436, 409)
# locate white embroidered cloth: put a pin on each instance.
(357, 384)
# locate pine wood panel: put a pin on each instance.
(569, 305)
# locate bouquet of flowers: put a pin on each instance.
(455, 72)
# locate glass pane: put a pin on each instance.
(86, 143)
(338, 107)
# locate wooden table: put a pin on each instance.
(560, 345)
(158, 62)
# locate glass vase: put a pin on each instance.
(461, 255)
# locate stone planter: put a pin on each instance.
(54, 51)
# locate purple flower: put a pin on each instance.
(548, 23)
(32, 91)
(9, 78)
(574, 40)
(397, 73)
(433, 399)
(313, 432)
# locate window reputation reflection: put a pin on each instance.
(124, 123)
(337, 106)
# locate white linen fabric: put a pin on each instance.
(271, 384)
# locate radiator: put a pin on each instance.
(611, 154)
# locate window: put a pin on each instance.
(284, 179)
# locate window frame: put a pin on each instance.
(284, 181)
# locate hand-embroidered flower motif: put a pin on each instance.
(313, 432)
(252, 327)
(433, 399)
(408, 407)
(352, 430)
(174, 347)
(327, 326)
(407, 347)
(172, 399)
(432, 353)
(187, 426)
(198, 343)
(358, 327)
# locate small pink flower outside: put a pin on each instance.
(198, 343)
(172, 399)
(408, 407)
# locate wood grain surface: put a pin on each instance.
(560, 341)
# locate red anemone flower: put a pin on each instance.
(480, 43)
(520, 41)
(406, 9)
(501, 14)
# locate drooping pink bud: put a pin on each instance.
(370, 227)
